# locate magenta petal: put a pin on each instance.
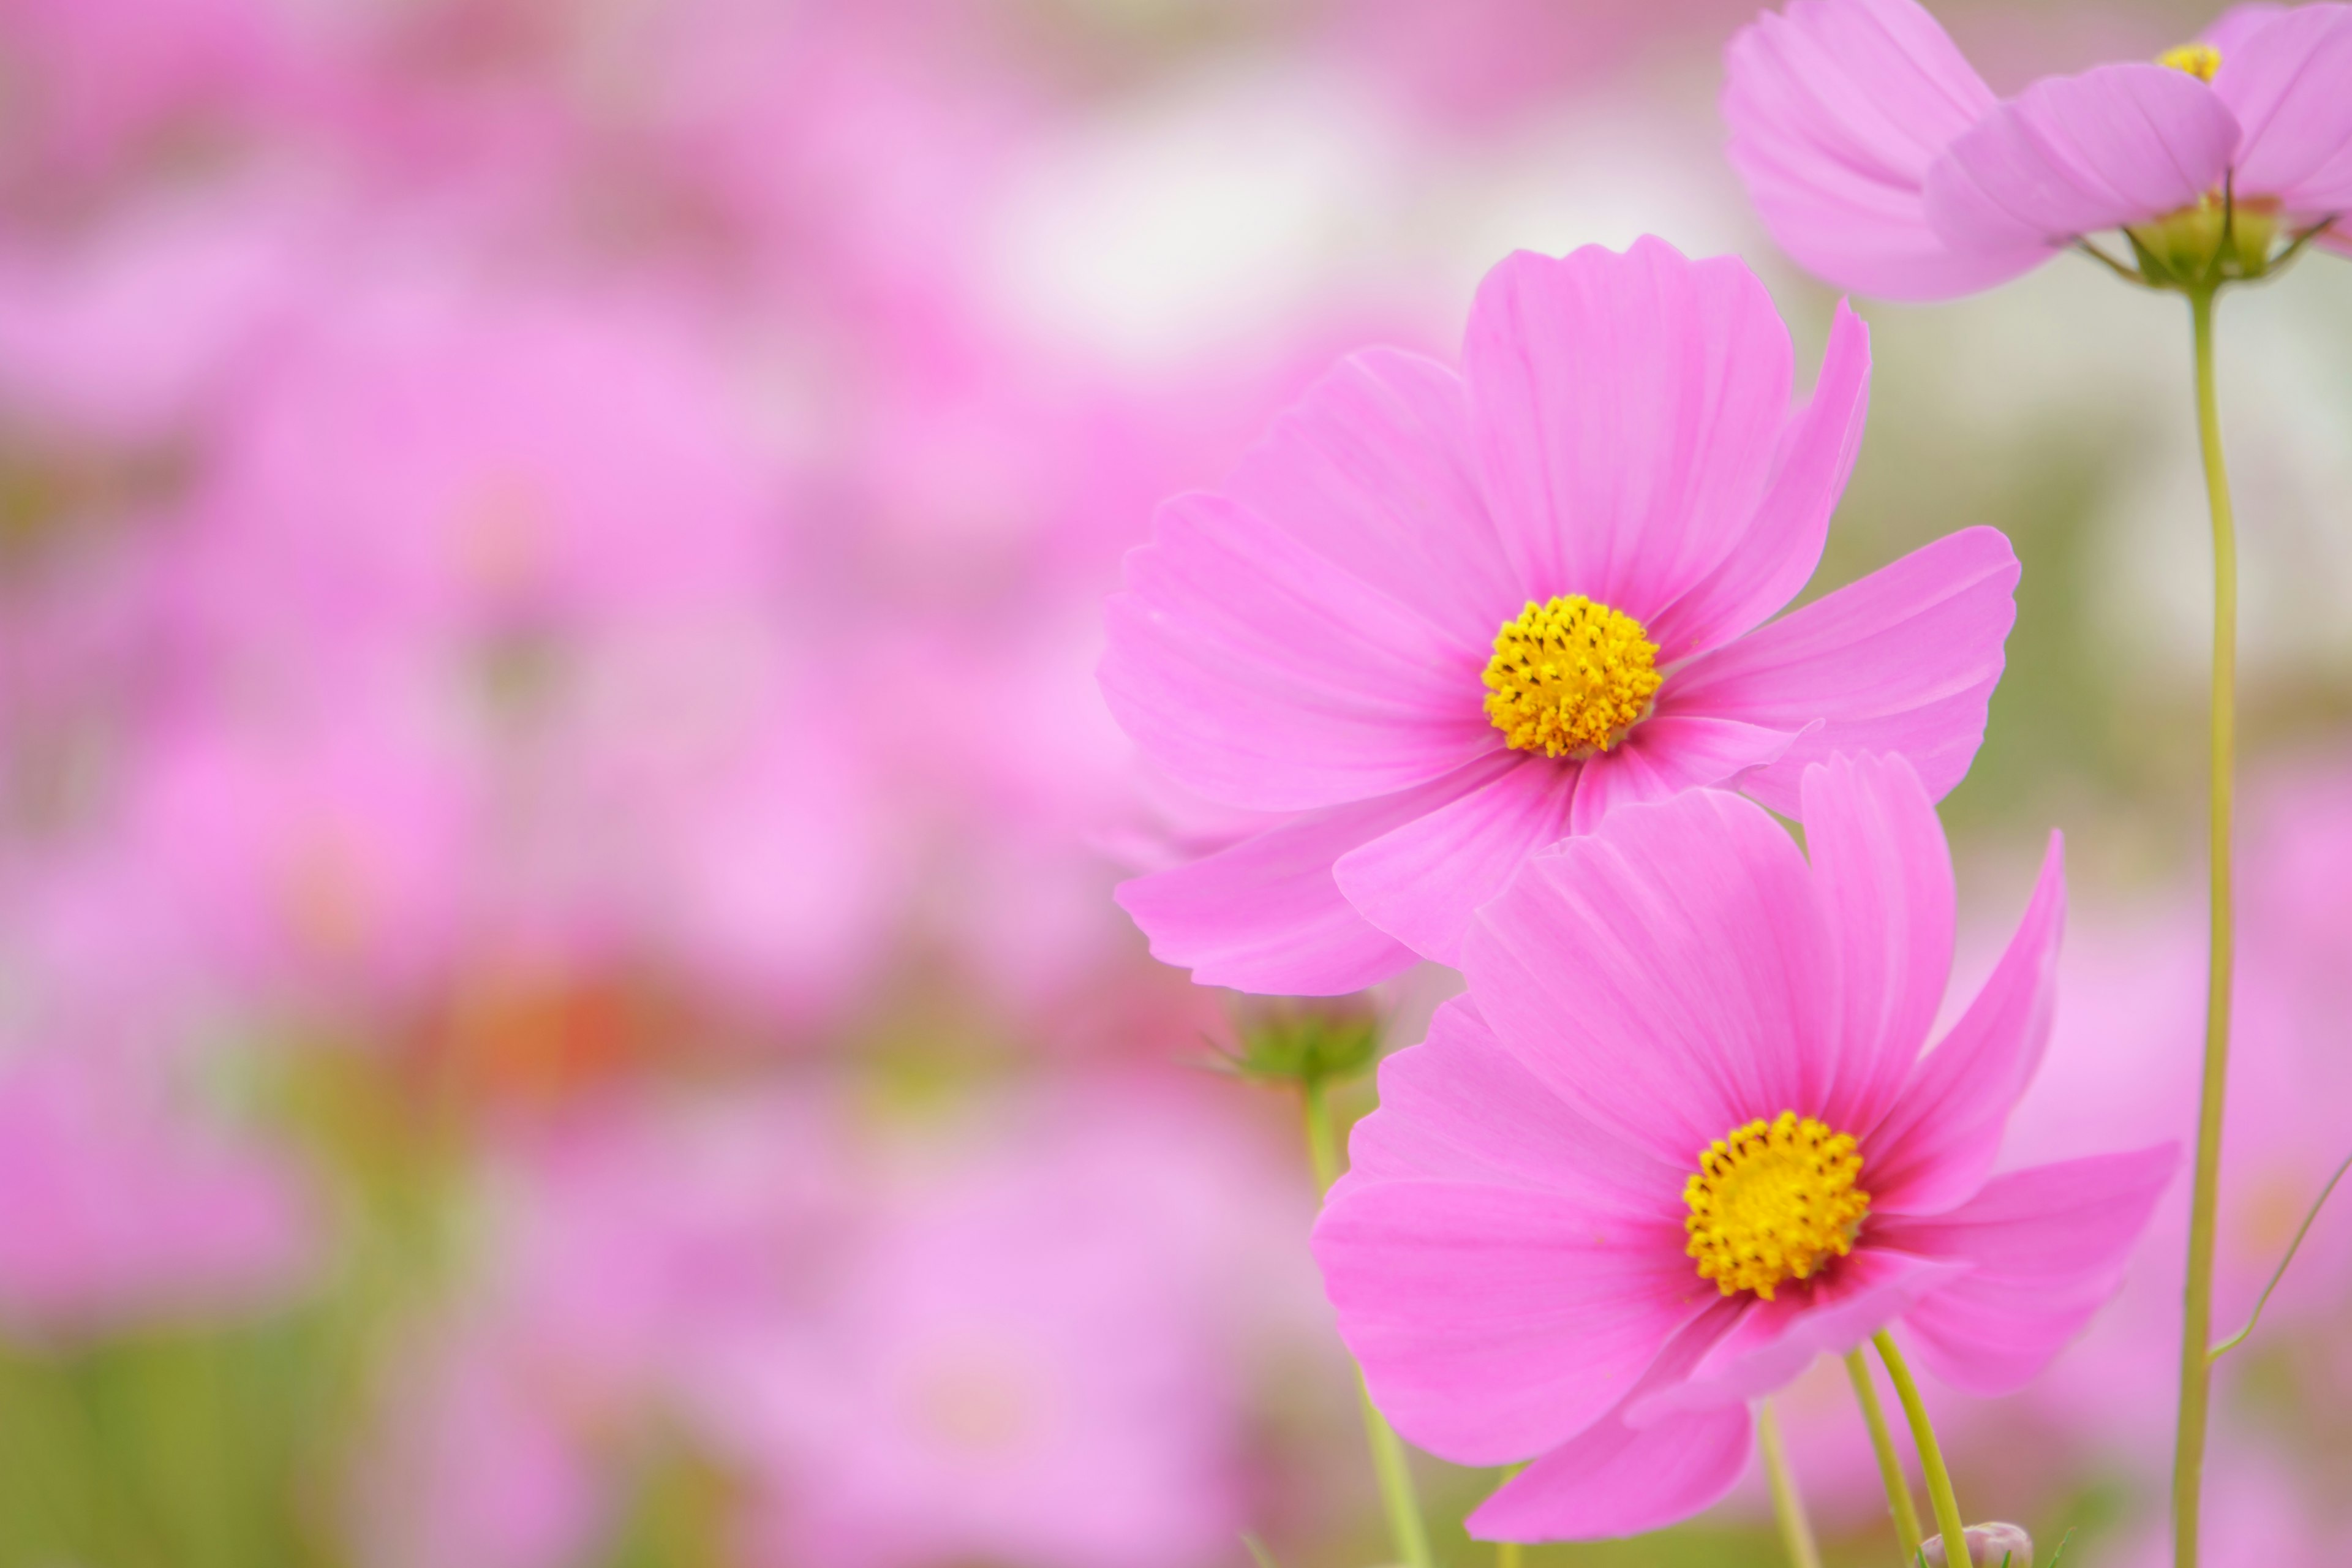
(1783, 544)
(1493, 1323)
(1459, 1108)
(1265, 915)
(2048, 1248)
(1938, 1141)
(1902, 662)
(1837, 108)
(1774, 1340)
(2289, 82)
(1617, 1481)
(1260, 673)
(1421, 881)
(1667, 975)
(2073, 155)
(1884, 873)
(1627, 410)
(1667, 754)
(1374, 470)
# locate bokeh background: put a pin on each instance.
(559, 1000)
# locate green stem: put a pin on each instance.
(1931, 1457)
(2197, 1317)
(1404, 1506)
(1508, 1553)
(1890, 1463)
(1788, 1503)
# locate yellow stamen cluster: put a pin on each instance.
(2199, 60)
(1569, 677)
(1773, 1201)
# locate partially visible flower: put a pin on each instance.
(1446, 619)
(1680, 1139)
(1881, 160)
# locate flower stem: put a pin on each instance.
(1890, 1463)
(1788, 1503)
(1508, 1553)
(2197, 1317)
(1404, 1506)
(1931, 1457)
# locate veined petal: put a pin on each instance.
(1265, 915)
(1885, 877)
(1837, 108)
(1615, 1479)
(1666, 976)
(1374, 470)
(1902, 662)
(1668, 754)
(1262, 674)
(1627, 410)
(2285, 81)
(1783, 544)
(1494, 1321)
(2070, 156)
(1459, 1108)
(2047, 1248)
(1937, 1141)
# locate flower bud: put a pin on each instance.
(1990, 1546)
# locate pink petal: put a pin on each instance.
(1775, 1341)
(1668, 754)
(1884, 877)
(1837, 108)
(1627, 410)
(2289, 81)
(1258, 672)
(1265, 915)
(1667, 975)
(1374, 471)
(2073, 155)
(1938, 1141)
(1617, 1481)
(1459, 1108)
(1902, 662)
(2234, 26)
(1420, 882)
(2048, 1248)
(1493, 1323)
(1784, 542)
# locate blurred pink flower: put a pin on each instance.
(1535, 1294)
(1312, 641)
(117, 1209)
(1881, 161)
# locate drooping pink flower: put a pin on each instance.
(1680, 1138)
(1881, 160)
(1446, 619)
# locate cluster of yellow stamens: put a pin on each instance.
(2199, 60)
(1773, 1201)
(1569, 677)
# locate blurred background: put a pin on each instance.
(559, 1001)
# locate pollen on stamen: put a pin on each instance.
(2199, 60)
(1569, 677)
(1773, 1201)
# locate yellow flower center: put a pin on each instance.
(1773, 1201)
(1569, 677)
(2199, 60)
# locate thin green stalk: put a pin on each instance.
(1931, 1457)
(2197, 1317)
(1405, 1524)
(1508, 1553)
(2234, 1341)
(1890, 1463)
(1788, 1503)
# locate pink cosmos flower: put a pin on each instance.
(1680, 1138)
(1881, 160)
(1446, 619)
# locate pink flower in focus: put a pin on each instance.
(1597, 513)
(1680, 1138)
(1881, 160)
